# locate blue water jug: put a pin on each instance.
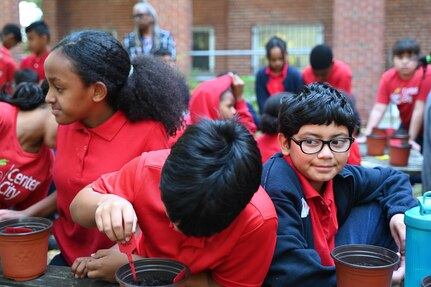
(418, 241)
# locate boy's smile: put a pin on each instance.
(319, 167)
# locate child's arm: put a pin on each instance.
(376, 116)
(113, 215)
(416, 123)
(244, 115)
(42, 208)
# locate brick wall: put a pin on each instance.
(65, 16)
(406, 18)
(233, 21)
(358, 34)
(9, 13)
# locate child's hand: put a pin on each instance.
(399, 274)
(415, 146)
(104, 263)
(79, 267)
(398, 231)
(237, 86)
(361, 139)
(116, 218)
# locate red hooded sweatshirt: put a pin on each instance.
(205, 102)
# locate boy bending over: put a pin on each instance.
(199, 203)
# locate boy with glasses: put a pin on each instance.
(321, 202)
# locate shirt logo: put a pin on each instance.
(305, 209)
(13, 181)
(404, 95)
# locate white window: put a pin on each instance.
(203, 49)
(300, 39)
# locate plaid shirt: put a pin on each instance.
(161, 39)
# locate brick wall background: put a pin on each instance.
(65, 16)
(233, 21)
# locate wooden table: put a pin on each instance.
(57, 276)
(414, 166)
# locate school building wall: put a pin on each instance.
(65, 16)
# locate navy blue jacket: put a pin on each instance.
(292, 83)
(296, 263)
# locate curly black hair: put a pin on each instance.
(147, 89)
(26, 97)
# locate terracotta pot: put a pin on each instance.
(360, 265)
(376, 145)
(399, 137)
(426, 282)
(379, 132)
(153, 272)
(24, 255)
(399, 154)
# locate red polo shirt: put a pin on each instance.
(340, 76)
(7, 66)
(240, 255)
(323, 212)
(275, 82)
(268, 145)
(24, 177)
(84, 154)
(36, 63)
(402, 93)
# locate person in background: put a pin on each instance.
(221, 98)
(148, 38)
(400, 85)
(278, 76)
(321, 201)
(11, 35)
(27, 129)
(324, 68)
(7, 69)
(38, 37)
(426, 167)
(200, 203)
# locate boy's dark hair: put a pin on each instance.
(25, 75)
(210, 176)
(26, 97)
(39, 27)
(275, 42)
(406, 45)
(269, 118)
(321, 57)
(315, 104)
(147, 89)
(13, 29)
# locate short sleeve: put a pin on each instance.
(383, 96)
(120, 183)
(249, 260)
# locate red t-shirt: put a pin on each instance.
(7, 66)
(240, 255)
(24, 177)
(323, 212)
(84, 154)
(268, 145)
(401, 92)
(35, 63)
(205, 103)
(340, 76)
(275, 82)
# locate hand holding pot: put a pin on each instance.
(398, 231)
(398, 274)
(116, 218)
(10, 214)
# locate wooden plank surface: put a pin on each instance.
(414, 166)
(57, 276)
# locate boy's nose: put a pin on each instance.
(326, 152)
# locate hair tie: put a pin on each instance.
(131, 70)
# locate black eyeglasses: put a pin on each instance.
(311, 146)
(140, 16)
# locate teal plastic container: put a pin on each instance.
(418, 241)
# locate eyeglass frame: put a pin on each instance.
(299, 143)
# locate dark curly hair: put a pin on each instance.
(26, 97)
(147, 89)
(269, 118)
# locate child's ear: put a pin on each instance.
(284, 144)
(100, 92)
